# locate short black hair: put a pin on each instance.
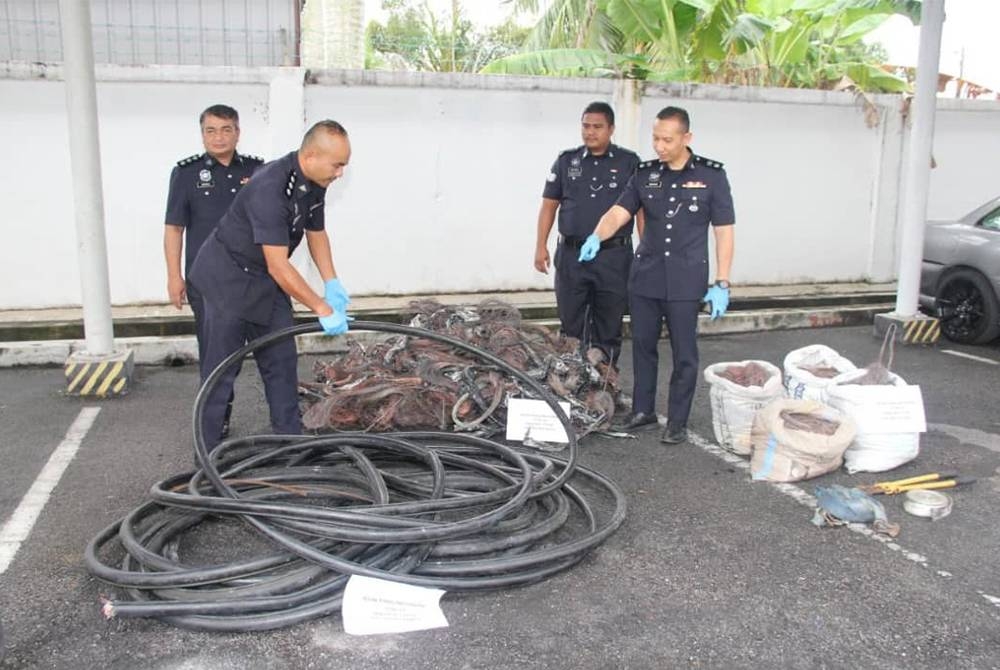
(678, 113)
(326, 125)
(601, 108)
(221, 111)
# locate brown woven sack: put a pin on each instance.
(781, 453)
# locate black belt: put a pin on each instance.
(577, 242)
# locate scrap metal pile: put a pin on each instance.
(405, 383)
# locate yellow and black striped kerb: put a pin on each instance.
(99, 379)
(921, 331)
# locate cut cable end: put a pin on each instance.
(107, 608)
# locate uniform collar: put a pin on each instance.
(211, 162)
(689, 165)
(297, 184)
(610, 153)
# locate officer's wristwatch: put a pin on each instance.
(722, 283)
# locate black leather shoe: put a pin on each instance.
(225, 421)
(637, 421)
(674, 433)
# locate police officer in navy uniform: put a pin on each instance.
(201, 189)
(243, 272)
(681, 194)
(583, 184)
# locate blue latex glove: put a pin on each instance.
(718, 298)
(335, 295)
(591, 246)
(336, 323)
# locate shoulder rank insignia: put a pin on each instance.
(253, 159)
(648, 164)
(290, 186)
(571, 151)
(708, 162)
(190, 159)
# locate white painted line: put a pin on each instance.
(962, 354)
(972, 436)
(992, 599)
(807, 500)
(20, 523)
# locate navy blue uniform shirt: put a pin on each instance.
(586, 187)
(671, 262)
(201, 190)
(275, 208)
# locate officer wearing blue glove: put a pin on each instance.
(583, 184)
(335, 295)
(682, 194)
(247, 281)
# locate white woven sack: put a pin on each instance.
(734, 406)
(802, 384)
(870, 451)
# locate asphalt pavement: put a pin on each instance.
(710, 570)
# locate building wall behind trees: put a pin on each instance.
(447, 172)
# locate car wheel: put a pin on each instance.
(968, 308)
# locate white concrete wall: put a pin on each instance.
(444, 184)
(802, 172)
(443, 189)
(967, 153)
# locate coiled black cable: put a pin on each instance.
(445, 510)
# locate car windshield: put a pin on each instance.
(991, 221)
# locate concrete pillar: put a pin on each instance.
(333, 34)
(627, 102)
(910, 326)
(97, 370)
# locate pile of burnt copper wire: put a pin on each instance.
(415, 383)
(286, 520)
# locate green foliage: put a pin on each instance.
(414, 37)
(788, 43)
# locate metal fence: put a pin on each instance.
(160, 32)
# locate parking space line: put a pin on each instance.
(807, 500)
(962, 354)
(20, 523)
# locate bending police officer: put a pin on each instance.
(583, 184)
(201, 189)
(681, 194)
(244, 273)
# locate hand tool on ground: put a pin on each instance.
(934, 480)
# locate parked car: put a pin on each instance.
(960, 279)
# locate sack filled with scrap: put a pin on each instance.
(873, 449)
(798, 439)
(737, 391)
(809, 370)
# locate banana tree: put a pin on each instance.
(791, 43)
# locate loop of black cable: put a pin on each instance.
(446, 510)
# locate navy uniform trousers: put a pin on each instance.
(197, 304)
(592, 297)
(681, 316)
(277, 363)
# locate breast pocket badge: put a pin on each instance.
(205, 179)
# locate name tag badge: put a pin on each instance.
(205, 179)
(575, 172)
